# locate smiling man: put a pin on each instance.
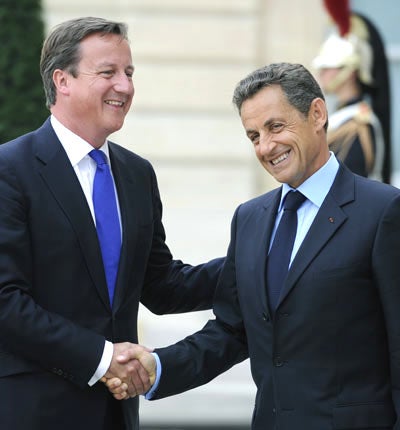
(316, 310)
(81, 243)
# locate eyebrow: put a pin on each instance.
(270, 121)
(105, 64)
(266, 124)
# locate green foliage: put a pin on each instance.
(22, 101)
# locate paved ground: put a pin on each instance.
(191, 427)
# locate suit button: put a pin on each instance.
(278, 362)
(265, 317)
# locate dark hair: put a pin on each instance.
(296, 82)
(61, 48)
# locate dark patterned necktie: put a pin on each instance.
(281, 249)
(107, 220)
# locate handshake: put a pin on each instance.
(132, 371)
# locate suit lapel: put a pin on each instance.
(327, 221)
(261, 231)
(60, 178)
(127, 188)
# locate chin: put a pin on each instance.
(115, 127)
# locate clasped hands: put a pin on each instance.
(132, 371)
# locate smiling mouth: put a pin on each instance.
(114, 103)
(280, 158)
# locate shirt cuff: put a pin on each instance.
(149, 395)
(104, 364)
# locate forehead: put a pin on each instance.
(98, 45)
(269, 101)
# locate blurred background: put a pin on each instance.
(189, 55)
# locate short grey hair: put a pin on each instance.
(61, 48)
(297, 83)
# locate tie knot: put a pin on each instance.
(293, 200)
(98, 156)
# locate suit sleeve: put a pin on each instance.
(31, 336)
(221, 344)
(172, 286)
(386, 267)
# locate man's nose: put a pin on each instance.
(266, 144)
(123, 83)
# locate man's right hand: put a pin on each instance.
(127, 376)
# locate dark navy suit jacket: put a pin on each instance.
(54, 309)
(329, 357)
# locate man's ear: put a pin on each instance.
(61, 81)
(318, 113)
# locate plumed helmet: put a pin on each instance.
(351, 51)
(356, 45)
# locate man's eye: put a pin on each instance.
(106, 72)
(254, 138)
(276, 126)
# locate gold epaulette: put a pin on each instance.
(364, 113)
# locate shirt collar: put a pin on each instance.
(75, 147)
(317, 186)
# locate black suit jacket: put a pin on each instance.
(54, 309)
(329, 358)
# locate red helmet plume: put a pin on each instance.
(339, 10)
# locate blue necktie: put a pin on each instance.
(281, 249)
(107, 220)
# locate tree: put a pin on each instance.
(22, 101)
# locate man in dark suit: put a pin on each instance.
(63, 320)
(325, 347)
